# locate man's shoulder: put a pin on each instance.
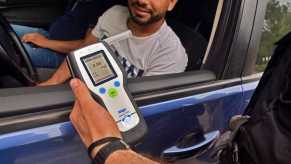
(168, 37)
(113, 21)
(116, 11)
(171, 44)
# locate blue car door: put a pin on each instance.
(176, 125)
(184, 112)
(183, 125)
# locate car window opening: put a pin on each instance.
(194, 22)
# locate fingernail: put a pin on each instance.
(74, 83)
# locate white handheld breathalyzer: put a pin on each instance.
(97, 66)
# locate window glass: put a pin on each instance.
(277, 23)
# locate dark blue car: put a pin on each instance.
(228, 42)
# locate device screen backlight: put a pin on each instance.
(97, 65)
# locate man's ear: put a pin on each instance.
(172, 4)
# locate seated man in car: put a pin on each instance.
(73, 25)
(154, 49)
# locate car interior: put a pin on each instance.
(191, 20)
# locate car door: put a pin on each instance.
(184, 112)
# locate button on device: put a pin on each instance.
(117, 84)
(112, 92)
(102, 90)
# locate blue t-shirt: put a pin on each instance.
(78, 17)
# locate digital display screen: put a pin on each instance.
(98, 67)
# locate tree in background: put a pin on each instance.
(277, 24)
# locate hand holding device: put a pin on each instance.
(85, 113)
(97, 66)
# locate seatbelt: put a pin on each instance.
(77, 3)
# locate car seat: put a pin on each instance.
(194, 43)
(197, 14)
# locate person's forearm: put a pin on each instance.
(128, 157)
(64, 46)
(68, 46)
(62, 74)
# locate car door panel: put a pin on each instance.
(168, 122)
(49, 144)
(199, 113)
(185, 151)
(61, 95)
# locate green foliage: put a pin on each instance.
(277, 24)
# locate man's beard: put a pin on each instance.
(153, 17)
(151, 20)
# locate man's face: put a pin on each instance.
(145, 12)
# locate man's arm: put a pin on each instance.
(59, 46)
(63, 73)
(60, 76)
(93, 123)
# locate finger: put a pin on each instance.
(75, 117)
(91, 112)
(74, 114)
(83, 95)
(80, 91)
(80, 124)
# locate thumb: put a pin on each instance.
(80, 91)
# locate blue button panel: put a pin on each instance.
(102, 90)
(117, 84)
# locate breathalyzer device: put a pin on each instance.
(97, 66)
